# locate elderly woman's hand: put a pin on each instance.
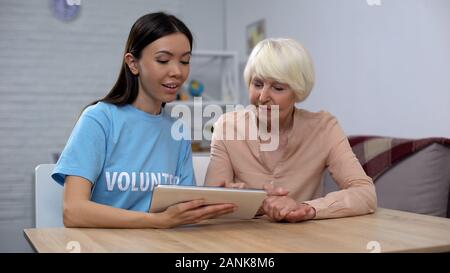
(278, 207)
(271, 191)
(301, 213)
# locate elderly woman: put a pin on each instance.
(279, 73)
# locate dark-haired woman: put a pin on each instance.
(121, 146)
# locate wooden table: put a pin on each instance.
(385, 231)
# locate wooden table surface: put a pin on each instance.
(385, 231)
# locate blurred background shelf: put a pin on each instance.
(213, 77)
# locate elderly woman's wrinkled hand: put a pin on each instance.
(303, 212)
(278, 207)
(284, 208)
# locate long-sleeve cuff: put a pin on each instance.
(350, 202)
(320, 205)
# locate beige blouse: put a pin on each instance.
(315, 142)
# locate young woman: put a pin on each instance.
(279, 73)
(121, 146)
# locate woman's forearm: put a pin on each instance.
(356, 200)
(85, 213)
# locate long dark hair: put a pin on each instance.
(144, 31)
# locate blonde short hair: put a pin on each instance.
(284, 60)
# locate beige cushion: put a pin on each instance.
(420, 183)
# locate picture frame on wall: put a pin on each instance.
(256, 32)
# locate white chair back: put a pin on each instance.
(48, 198)
(200, 164)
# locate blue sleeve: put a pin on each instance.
(84, 153)
(187, 176)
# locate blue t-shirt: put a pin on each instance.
(124, 152)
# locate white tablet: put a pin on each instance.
(247, 201)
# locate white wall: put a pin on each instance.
(51, 69)
(381, 70)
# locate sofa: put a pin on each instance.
(418, 181)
